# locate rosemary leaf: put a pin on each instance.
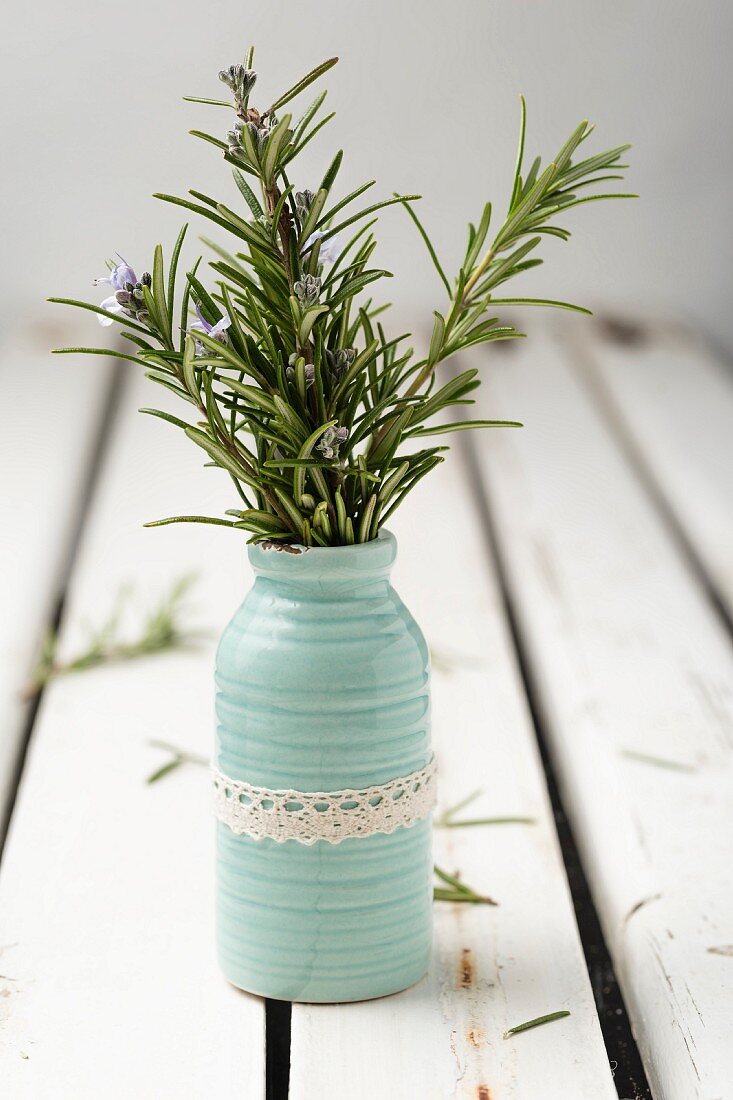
(536, 1023)
(486, 821)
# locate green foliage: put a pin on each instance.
(447, 820)
(456, 891)
(176, 758)
(161, 630)
(317, 415)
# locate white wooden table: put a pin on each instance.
(580, 615)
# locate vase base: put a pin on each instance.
(312, 999)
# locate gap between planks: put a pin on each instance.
(106, 886)
(79, 509)
(492, 968)
(278, 1019)
(623, 1052)
(44, 489)
(627, 656)
(669, 402)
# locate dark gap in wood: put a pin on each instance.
(278, 1016)
(22, 752)
(623, 1053)
(86, 493)
(592, 381)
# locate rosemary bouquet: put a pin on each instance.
(292, 386)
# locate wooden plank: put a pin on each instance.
(111, 986)
(671, 401)
(631, 665)
(493, 967)
(45, 449)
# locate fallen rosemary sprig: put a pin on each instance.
(457, 891)
(536, 1023)
(470, 822)
(446, 820)
(161, 630)
(178, 757)
(658, 761)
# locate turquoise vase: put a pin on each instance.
(323, 685)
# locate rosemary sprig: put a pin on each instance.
(536, 1023)
(287, 378)
(457, 891)
(453, 810)
(658, 761)
(178, 757)
(447, 819)
(470, 822)
(161, 630)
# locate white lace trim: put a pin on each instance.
(324, 815)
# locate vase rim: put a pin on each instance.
(371, 558)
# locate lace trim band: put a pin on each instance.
(324, 815)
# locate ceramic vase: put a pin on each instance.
(322, 686)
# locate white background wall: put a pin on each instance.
(427, 100)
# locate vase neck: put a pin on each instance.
(358, 570)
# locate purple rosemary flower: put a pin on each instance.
(128, 296)
(329, 251)
(330, 442)
(217, 331)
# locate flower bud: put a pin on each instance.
(330, 442)
(339, 361)
(249, 78)
(307, 290)
(303, 203)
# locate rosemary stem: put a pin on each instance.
(488, 257)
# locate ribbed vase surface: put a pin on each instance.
(323, 685)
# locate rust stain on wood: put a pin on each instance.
(483, 1092)
(466, 973)
(474, 1037)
